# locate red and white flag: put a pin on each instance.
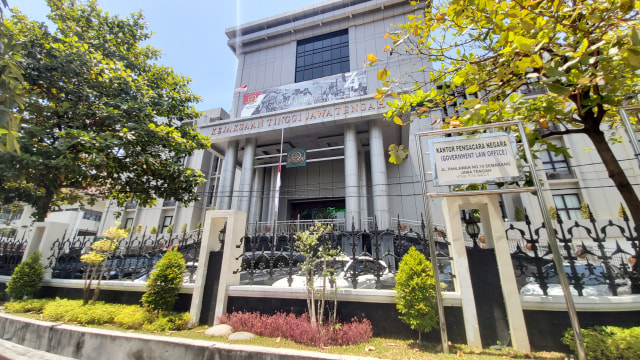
(277, 194)
(241, 89)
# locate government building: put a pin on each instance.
(309, 95)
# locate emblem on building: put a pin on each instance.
(296, 157)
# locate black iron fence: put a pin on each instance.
(133, 259)
(369, 259)
(598, 257)
(598, 260)
(11, 251)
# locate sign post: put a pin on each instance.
(489, 157)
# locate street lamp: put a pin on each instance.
(473, 230)
(222, 235)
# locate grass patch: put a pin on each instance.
(385, 348)
(26, 306)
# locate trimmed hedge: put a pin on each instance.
(132, 317)
(607, 342)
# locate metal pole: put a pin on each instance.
(557, 257)
(627, 126)
(432, 252)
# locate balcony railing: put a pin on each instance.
(130, 205)
(169, 203)
(560, 175)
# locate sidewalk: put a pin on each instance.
(11, 351)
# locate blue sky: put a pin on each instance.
(190, 34)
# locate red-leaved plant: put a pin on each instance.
(299, 328)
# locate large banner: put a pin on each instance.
(316, 91)
(488, 158)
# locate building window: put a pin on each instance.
(212, 193)
(165, 223)
(322, 55)
(92, 215)
(568, 206)
(555, 166)
(128, 223)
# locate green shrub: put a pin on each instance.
(72, 311)
(26, 278)
(170, 322)
(25, 306)
(416, 292)
(607, 342)
(132, 317)
(165, 282)
(519, 214)
(585, 211)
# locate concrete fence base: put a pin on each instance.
(79, 342)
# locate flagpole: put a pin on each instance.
(277, 192)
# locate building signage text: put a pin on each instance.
(298, 117)
(484, 159)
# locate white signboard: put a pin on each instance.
(488, 158)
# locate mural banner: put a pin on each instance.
(316, 91)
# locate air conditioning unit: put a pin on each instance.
(553, 175)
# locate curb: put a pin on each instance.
(83, 343)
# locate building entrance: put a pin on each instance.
(318, 209)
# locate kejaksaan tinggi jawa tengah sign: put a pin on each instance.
(487, 158)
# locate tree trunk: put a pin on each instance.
(44, 204)
(617, 175)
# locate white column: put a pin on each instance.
(246, 176)
(352, 202)
(214, 221)
(379, 188)
(451, 210)
(227, 176)
(493, 228)
(255, 214)
(364, 199)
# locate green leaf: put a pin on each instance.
(524, 44)
(469, 103)
(626, 6)
(558, 89)
(582, 48)
(635, 37)
(383, 74)
(554, 72)
(472, 89)
(633, 57)
(397, 154)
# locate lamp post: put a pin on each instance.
(221, 235)
(473, 230)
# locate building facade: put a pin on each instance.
(306, 85)
(309, 90)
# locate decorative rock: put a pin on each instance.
(219, 330)
(241, 335)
